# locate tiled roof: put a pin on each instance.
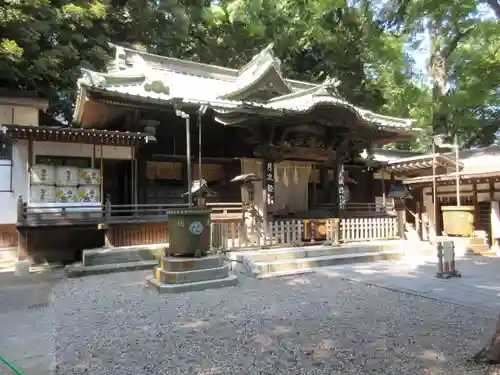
(49, 133)
(209, 85)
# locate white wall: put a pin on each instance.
(18, 115)
(82, 150)
(379, 175)
(20, 179)
(8, 200)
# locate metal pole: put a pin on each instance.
(102, 173)
(199, 145)
(434, 188)
(457, 156)
(383, 189)
(188, 159)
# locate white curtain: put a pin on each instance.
(291, 185)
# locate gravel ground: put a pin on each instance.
(303, 325)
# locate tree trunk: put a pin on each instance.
(491, 352)
(495, 6)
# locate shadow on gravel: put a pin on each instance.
(310, 324)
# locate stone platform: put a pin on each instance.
(298, 260)
(180, 274)
(130, 258)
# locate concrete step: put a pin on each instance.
(78, 270)
(274, 268)
(96, 257)
(183, 277)
(8, 254)
(179, 264)
(313, 252)
(7, 265)
(255, 263)
(193, 286)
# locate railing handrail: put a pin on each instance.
(359, 206)
(62, 206)
(107, 212)
(224, 204)
(147, 205)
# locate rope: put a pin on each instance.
(12, 367)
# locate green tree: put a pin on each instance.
(44, 43)
(462, 61)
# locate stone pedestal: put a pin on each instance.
(177, 275)
(22, 268)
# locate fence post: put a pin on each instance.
(107, 208)
(401, 223)
(108, 235)
(336, 231)
(20, 209)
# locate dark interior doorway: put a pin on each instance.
(117, 181)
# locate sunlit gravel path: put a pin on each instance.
(311, 324)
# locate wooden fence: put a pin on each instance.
(64, 214)
(365, 229)
(228, 236)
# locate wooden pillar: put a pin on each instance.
(323, 178)
(108, 234)
(142, 181)
(133, 186)
(22, 236)
(315, 192)
(22, 244)
(418, 214)
(399, 206)
(475, 204)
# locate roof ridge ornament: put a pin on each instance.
(329, 87)
(267, 51)
(332, 85)
(90, 78)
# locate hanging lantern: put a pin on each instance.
(399, 191)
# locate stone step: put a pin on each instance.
(320, 251)
(96, 257)
(179, 264)
(77, 270)
(307, 252)
(193, 286)
(265, 269)
(183, 277)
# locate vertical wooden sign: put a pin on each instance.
(269, 181)
(341, 187)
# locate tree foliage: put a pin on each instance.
(45, 42)
(366, 44)
(463, 62)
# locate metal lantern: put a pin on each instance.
(399, 191)
(200, 191)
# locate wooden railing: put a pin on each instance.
(362, 209)
(64, 214)
(366, 229)
(228, 236)
(226, 208)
